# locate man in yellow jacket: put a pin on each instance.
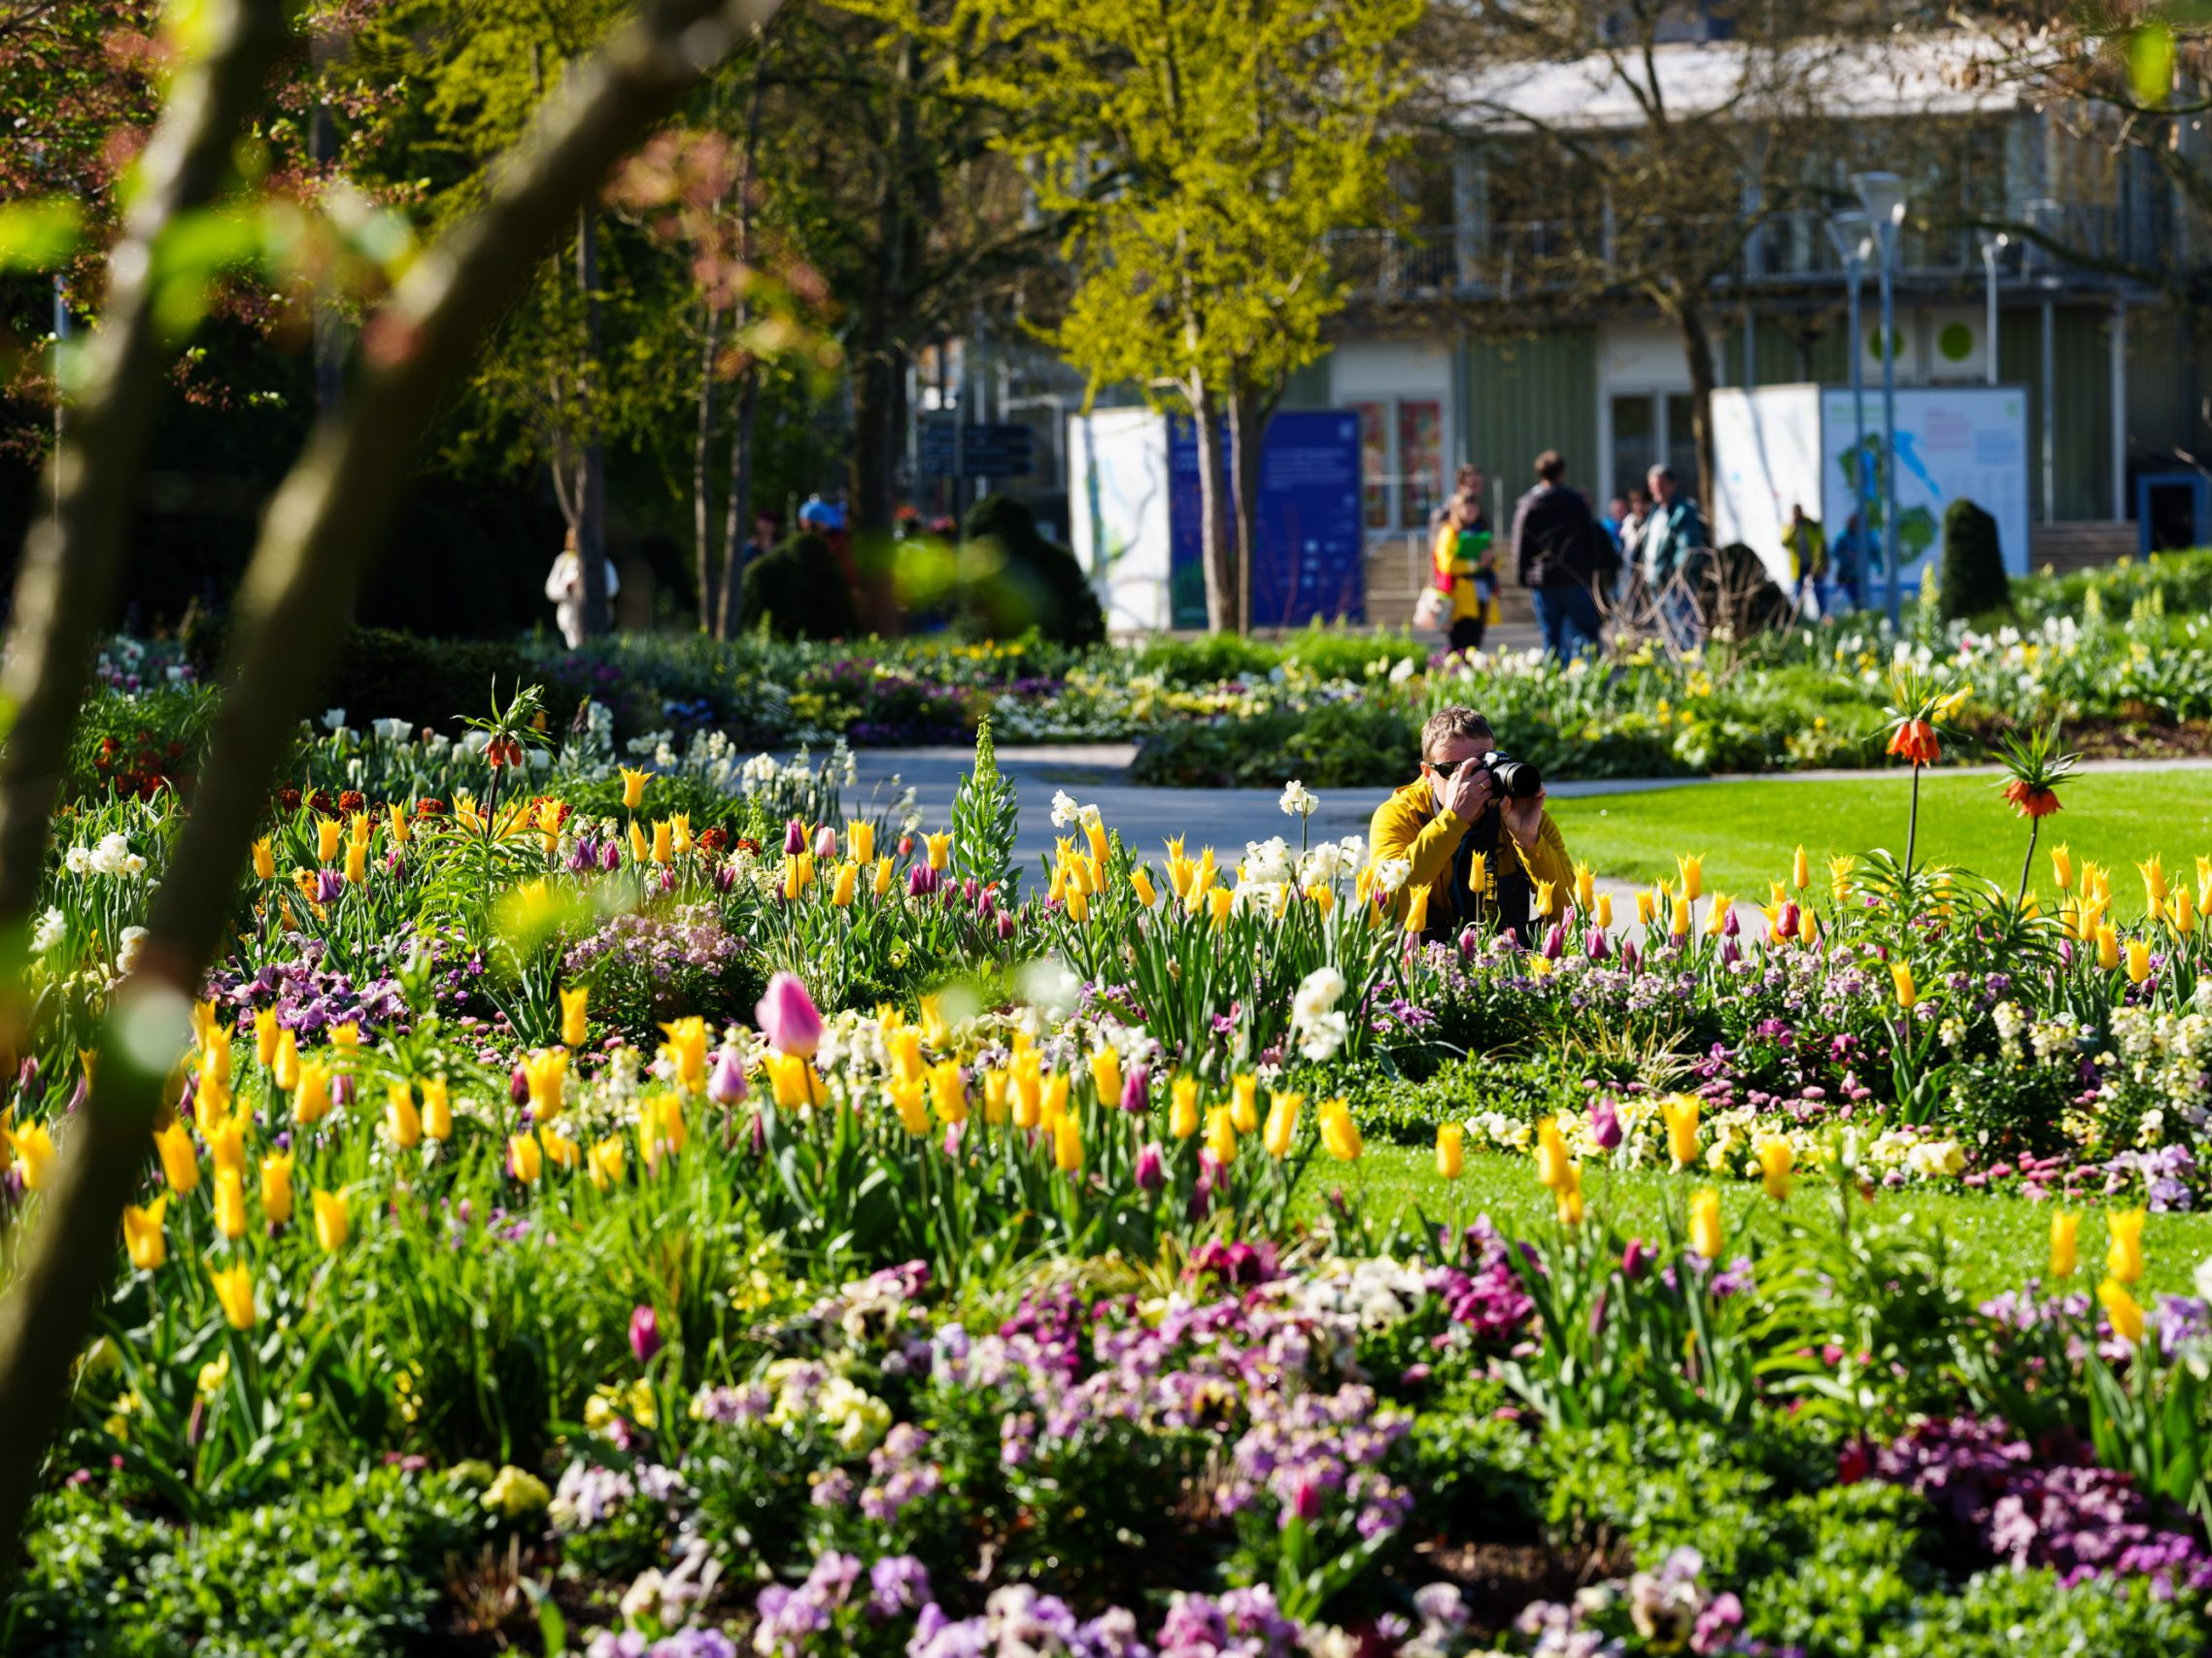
(1475, 857)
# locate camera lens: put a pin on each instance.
(1516, 778)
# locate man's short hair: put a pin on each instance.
(1551, 466)
(1451, 725)
(1666, 472)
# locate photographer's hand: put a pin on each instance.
(1524, 819)
(1464, 790)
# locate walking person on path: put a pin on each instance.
(1465, 566)
(1677, 549)
(1561, 555)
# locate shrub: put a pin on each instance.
(1973, 575)
(382, 674)
(797, 591)
(1039, 584)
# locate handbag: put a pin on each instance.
(1433, 609)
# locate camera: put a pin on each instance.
(1516, 779)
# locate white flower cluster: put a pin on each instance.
(1298, 801)
(1316, 1023)
(111, 857)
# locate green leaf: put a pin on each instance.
(38, 234)
(2150, 63)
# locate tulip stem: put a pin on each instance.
(2034, 828)
(1913, 822)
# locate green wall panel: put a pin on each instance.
(1523, 396)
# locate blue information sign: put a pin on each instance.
(1311, 542)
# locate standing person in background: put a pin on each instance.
(1561, 555)
(1464, 565)
(1632, 524)
(1676, 547)
(1467, 481)
(565, 585)
(1807, 545)
(1848, 560)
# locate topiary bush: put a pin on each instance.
(381, 673)
(1973, 575)
(799, 591)
(1038, 584)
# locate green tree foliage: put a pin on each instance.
(797, 591)
(1973, 578)
(1202, 154)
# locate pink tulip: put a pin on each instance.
(788, 1017)
(1151, 1170)
(644, 1334)
(825, 843)
(726, 1083)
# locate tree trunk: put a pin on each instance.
(1249, 415)
(702, 495)
(1217, 537)
(1697, 344)
(321, 527)
(592, 494)
(738, 532)
(330, 320)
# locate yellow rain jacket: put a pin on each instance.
(1409, 825)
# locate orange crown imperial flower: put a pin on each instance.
(2030, 799)
(1915, 740)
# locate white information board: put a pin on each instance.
(1117, 514)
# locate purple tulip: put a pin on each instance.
(967, 889)
(610, 857)
(921, 881)
(724, 878)
(725, 1082)
(1635, 1260)
(586, 855)
(1787, 919)
(787, 1018)
(644, 1334)
(1605, 1125)
(2066, 951)
(1554, 942)
(794, 839)
(1151, 1168)
(519, 1086)
(1729, 926)
(986, 903)
(1631, 958)
(1596, 945)
(1136, 1089)
(1729, 953)
(1305, 1500)
(1470, 941)
(825, 843)
(1006, 926)
(328, 884)
(342, 1091)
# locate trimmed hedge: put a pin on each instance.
(799, 592)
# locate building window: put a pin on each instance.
(1401, 461)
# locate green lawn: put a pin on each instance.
(2001, 1241)
(1747, 831)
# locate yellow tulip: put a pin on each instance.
(686, 1051)
(1692, 876)
(1182, 1107)
(640, 846)
(948, 1093)
(996, 1084)
(1105, 1075)
(1477, 872)
(1800, 870)
(1678, 926)
(356, 862)
(847, 883)
(1222, 900)
(1054, 1104)
(2123, 1309)
(1451, 1150)
(1078, 903)
(603, 1162)
(2154, 873)
(402, 829)
(346, 1037)
(880, 883)
(573, 1002)
(2063, 865)
(264, 859)
(545, 1070)
(1680, 1111)
(1067, 1145)
(1646, 906)
(143, 1237)
(905, 1046)
(1281, 1125)
(437, 1109)
(664, 842)
(941, 849)
(1839, 877)
(229, 1203)
(1901, 977)
(1222, 1135)
(275, 1187)
(1706, 1236)
(1141, 883)
(34, 1144)
(1808, 927)
(266, 1030)
(1547, 898)
(633, 788)
(1339, 1135)
(1776, 1156)
(328, 833)
(214, 1054)
(1551, 1155)
(2065, 1226)
(401, 1119)
(283, 1060)
(1585, 887)
(234, 1290)
(331, 1226)
(1600, 911)
(2181, 913)
(2107, 946)
(1568, 1197)
(526, 1157)
(2138, 961)
(860, 840)
(2123, 1256)
(1244, 1103)
(311, 1100)
(1717, 915)
(909, 1095)
(180, 1160)
(1416, 912)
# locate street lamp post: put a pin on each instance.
(1993, 243)
(1849, 233)
(1882, 195)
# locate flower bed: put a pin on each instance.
(660, 1208)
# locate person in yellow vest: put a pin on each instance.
(1807, 545)
(1455, 813)
(1465, 567)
